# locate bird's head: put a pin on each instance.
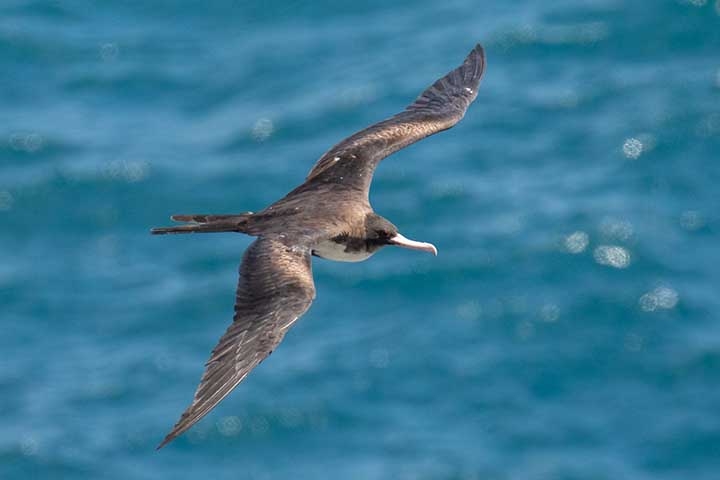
(380, 232)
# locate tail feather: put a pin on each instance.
(204, 218)
(206, 224)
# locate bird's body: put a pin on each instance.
(327, 216)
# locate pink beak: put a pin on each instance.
(404, 242)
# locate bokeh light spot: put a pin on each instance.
(132, 172)
(229, 426)
(632, 148)
(662, 297)
(549, 312)
(26, 142)
(612, 256)
(576, 242)
(29, 446)
(615, 229)
(108, 51)
(259, 425)
(262, 130)
(690, 220)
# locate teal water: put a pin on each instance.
(568, 329)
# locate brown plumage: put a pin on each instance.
(329, 216)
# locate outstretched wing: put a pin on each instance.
(353, 161)
(275, 289)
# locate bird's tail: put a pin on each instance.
(206, 224)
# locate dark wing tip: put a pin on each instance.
(470, 72)
(450, 96)
(167, 440)
(182, 425)
(475, 63)
(477, 54)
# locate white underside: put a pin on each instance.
(335, 251)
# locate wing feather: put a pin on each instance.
(275, 289)
(352, 162)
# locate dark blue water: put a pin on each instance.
(568, 329)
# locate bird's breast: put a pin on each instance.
(341, 251)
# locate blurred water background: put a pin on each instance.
(568, 329)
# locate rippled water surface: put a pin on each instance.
(568, 329)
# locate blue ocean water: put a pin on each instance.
(568, 328)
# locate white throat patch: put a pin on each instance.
(336, 251)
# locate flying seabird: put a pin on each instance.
(328, 216)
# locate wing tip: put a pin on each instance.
(478, 50)
(165, 441)
(477, 60)
(177, 430)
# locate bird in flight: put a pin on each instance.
(328, 216)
